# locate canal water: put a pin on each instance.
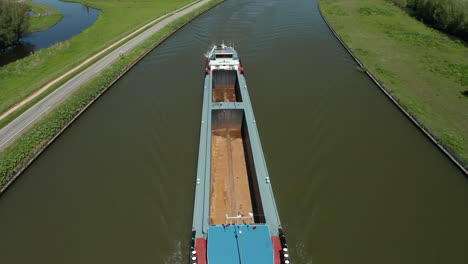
(354, 180)
(76, 18)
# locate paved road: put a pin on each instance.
(20, 125)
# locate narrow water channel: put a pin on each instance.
(354, 181)
(76, 18)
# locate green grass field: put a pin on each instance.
(424, 68)
(39, 23)
(42, 23)
(23, 77)
(38, 10)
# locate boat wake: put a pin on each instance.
(177, 255)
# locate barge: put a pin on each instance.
(235, 218)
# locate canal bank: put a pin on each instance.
(379, 192)
(422, 69)
(16, 158)
(451, 154)
(24, 77)
(21, 106)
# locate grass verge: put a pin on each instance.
(39, 8)
(39, 23)
(19, 155)
(422, 67)
(20, 79)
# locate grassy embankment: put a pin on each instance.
(20, 79)
(39, 23)
(17, 156)
(425, 69)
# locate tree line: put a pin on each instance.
(14, 22)
(450, 16)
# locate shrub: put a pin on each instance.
(450, 16)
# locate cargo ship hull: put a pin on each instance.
(235, 217)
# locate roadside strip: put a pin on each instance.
(18, 156)
(18, 126)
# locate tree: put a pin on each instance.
(450, 16)
(14, 22)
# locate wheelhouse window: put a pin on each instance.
(223, 56)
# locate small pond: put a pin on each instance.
(76, 18)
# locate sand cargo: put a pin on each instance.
(235, 218)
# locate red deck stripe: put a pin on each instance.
(200, 247)
(276, 249)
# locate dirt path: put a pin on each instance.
(48, 13)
